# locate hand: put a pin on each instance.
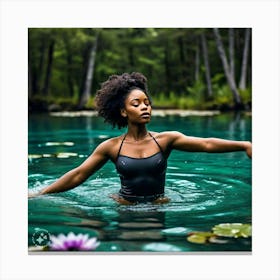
(248, 149)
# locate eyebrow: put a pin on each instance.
(138, 99)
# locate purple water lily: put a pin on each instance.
(72, 242)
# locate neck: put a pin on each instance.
(137, 133)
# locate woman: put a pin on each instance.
(140, 156)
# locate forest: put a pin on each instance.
(186, 68)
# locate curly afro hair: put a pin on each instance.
(110, 98)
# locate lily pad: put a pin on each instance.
(233, 230)
(200, 237)
(59, 144)
(219, 240)
(47, 155)
(31, 156)
(66, 155)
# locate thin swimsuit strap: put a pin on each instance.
(149, 134)
(121, 146)
(156, 143)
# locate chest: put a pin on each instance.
(130, 167)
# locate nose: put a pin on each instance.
(144, 106)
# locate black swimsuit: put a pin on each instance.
(142, 179)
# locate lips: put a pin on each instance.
(145, 115)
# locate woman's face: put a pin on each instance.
(137, 107)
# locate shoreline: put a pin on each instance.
(155, 113)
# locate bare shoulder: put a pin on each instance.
(166, 138)
(167, 135)
(110, 146)
(179, 141)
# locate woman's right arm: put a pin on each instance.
(78, 175)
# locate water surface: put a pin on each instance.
(205, 189)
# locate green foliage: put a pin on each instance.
(43, 103)
(198, 89)
(196, 96)
(246, 95)
(163, 101)
(223, 95)
(173, 101)
(218, 79)
(166, 56)
(221, 91)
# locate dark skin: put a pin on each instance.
(138, 144)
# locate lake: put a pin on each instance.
(205, 189)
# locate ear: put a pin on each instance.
(123, 113)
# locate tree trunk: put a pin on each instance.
(38, 71)
(49, 68)
(30, 85)
(89, 76)
(231, 52)
(182, 63)
(69, 71)
(242, 82)
(29, 81)
(197, 63)
(226, 67)
(167, 68)
(207, 66)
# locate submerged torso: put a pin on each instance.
(142, 176)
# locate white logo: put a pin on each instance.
(41, 237)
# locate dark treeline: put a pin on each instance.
(190, 68)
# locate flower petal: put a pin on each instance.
(91, 244)
(73, 242)
(62, 237)
(56, 242)
(83, 237)
(71, 236)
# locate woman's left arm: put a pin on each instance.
(182, 142)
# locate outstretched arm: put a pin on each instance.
(209, 145)
(78, 175)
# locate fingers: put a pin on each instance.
(249, 150)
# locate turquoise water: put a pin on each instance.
(205, 189)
